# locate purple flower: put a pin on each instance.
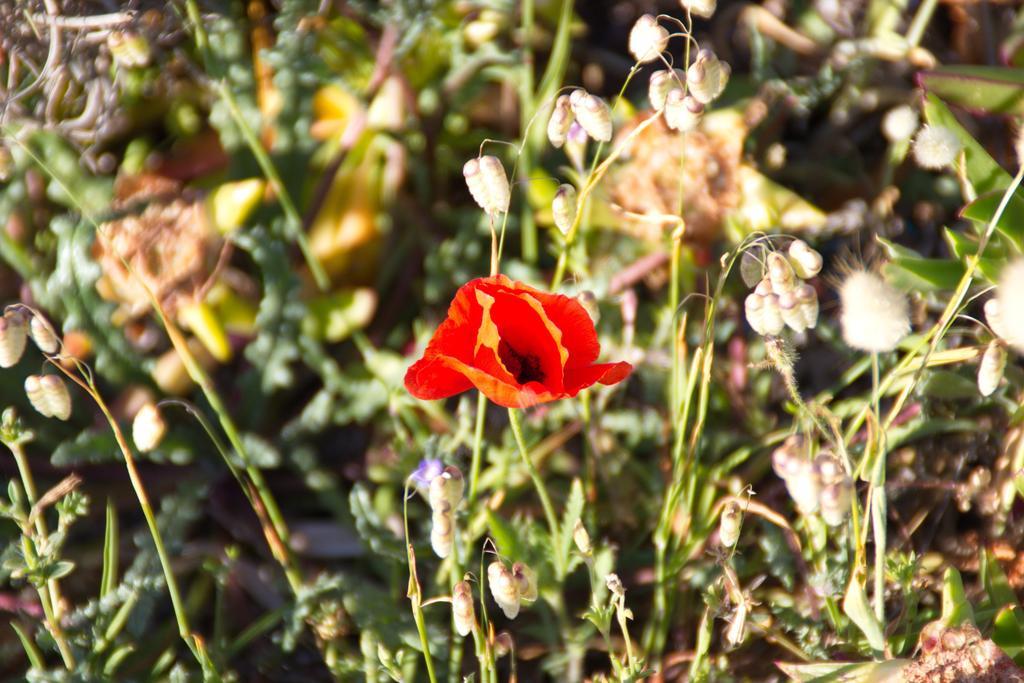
(428, 469)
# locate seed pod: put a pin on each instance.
(729, 524)
(526, 580)
(661, 83)
(808, 301)
(792, 312)
(442, 530)
(788, 459)
(772, 316)
(148, 428)
(830, 468)
(13, 333)
(699, 8)
(806, 262)
(560, 121)
(488, 183)
(504, 588)
(990, 372)
(49, 395)
(446, 489)
(581, 538)
(647, 39)
(804, 486)
(576, 145)
(834, 500)
(707, 77)
(593, 114)
(43, 334)
(682, 112)
(462, 608)
(563, 207)
(753, 307)
(780, 273)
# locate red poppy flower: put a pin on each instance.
(518, 345)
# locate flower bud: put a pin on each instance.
(661, 83)
(753, 307)
(13, 334)
(780, 273)
(771, 316)
(447, 489)
(699, 8)
(581, 538)
(835, 500)
(148, 428)
(990, 372)
(707, 77)
(807, 297)
(504, 588)
(874, 315)
(899, 123)
(49, 395)
(614, 584)
(729, 524)
(563, 207)
(936, 147)
(594, 116)
(806, 262)
(442, 530)
(560, 121)
(682, 112)
(792, 312)
(487, 182)
(526, 580)
(43, 334)
(647, 39)
(462, 608)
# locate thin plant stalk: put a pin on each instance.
(415, 591)
(878, 501)
(538, 483)
(478, 447)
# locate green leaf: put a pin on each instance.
(910, 271)
(33, 653)
(845, 672)
(506, 536)
(963, 246)
(370, 526)
(997, 586)
(110, 551)
(855, 605)
(993, 89)
(573, 512)
(982, 170)
(1010, 223)
(334, 317)
(1007, 632)
(956, 608)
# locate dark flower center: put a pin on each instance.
(525, 367)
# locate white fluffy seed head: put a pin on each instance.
(682, 112)
(936, 147)
(1010, 302)
(148, 428)
(990, 372)
(647, 39)
(487, 182)
(593, 115)
(874, 315)
(563, 207)
(560, 121)
(13, 331)
(900, 123)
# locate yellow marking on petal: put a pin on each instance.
(553, 330)
(488, 334)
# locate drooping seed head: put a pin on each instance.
(753, 307)
(729, 524)
(936, 147)
(581, 538)
(487, 182)
(807, 297)
(682, 112)
(1010, 298)
(526, 579)
(874, 315)
(13, 333)
(576, 145)
(707, 77)
(834, 501)
(647, 39)
(49, 395)
(43, 334)
(560, 121)
(804, 486)
(661, 83)
(780, 273)
(990, 371)
(594, 116)
(463, 613)
(447, 488)
(563, 207)
(900, 123)
(148, 428)
(772, 316)
(830, 468)
(806, 262)
(764, 287)
(792, 312)
(504, 588)
(442, 530)
(699, 8)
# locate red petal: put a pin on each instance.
(577, 379)
(522, 325)
(431, 378)
(502, 393)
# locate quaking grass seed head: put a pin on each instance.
(148, 428)
(442, 530)
(49, 395)
(699, 8)
(806, 262)
(526, 579)
(43, 334)
(874, 315)
(560, 121)
(707, 77)
(729, 524)
(990, 371)
(488, 184)
(1010, 303)
(647, 39)
(447, 488)
(682, 112)
(563, 207)
(13, 333)
(463, 613)
(593, 115)
(780, 273)
(661, 83)
(834, 501)
(504, 588)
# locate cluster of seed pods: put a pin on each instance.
(444, 495)
(821, 485)
(510, 587)
(48, 394)
(783, 298)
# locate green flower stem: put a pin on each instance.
(538, 483)
(878, 502)
(415, 591)
(46, 600)
(478, 447)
